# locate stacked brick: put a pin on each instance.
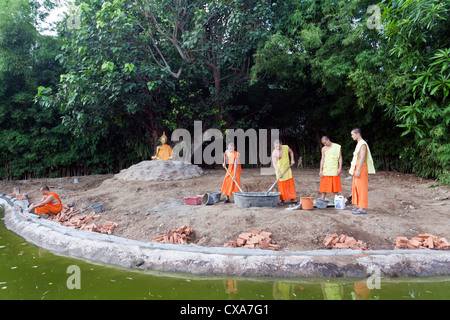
(343, 241)
(180, 236)
(254, 240)
(71, 219)
(422, 241)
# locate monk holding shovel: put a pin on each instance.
(281, 163)
(231, 182)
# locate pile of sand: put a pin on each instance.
(159, 170)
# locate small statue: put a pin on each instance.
(163, 152)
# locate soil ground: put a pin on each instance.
(399, 205)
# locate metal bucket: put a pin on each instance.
(321, 204)
(98, 207)
(256, 199)
(211, 198)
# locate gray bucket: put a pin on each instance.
(98, 207)
(211, 198)
(256, 199)
(321, 204)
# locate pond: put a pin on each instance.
(32, 273)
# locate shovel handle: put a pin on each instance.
(234, 180)
(278, 179)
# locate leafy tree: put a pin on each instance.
(33, 140)
(324, 57)
(144, 67)
(415, 31)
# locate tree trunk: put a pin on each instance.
(217, 102)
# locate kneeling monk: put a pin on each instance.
(330, 167)
(50, 203)
(234, 168)
(280, 161)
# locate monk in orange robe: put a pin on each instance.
(361, 166)
(280, 160)
(330, 168)
(163, 152)
(234, 168)
(50, 203)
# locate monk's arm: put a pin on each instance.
(321, 163)
(48, 200)
(340, 163)
(224, 160)
(274, 162)
(40, 203)
(291, 153)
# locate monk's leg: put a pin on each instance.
(360, 191)
(41, 210)
(227, 188)
(287, 190)
(325, 186)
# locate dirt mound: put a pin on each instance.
(159, 170)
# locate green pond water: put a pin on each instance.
(29, 272)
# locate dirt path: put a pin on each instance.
(399, 205)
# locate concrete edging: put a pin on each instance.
(198, 260)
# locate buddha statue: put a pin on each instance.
(163, 152)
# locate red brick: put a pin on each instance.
(414, 243)
(429, 243)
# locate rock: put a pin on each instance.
(159, 170)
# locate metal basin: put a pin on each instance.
(256, 199)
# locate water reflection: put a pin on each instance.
(30, 272)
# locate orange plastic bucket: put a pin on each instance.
(307, 203)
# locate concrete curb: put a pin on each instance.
(198, 260)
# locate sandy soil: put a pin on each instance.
(399, 205)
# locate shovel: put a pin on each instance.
(278, 179)
(234, 180)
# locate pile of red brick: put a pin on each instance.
(253, 239)
(422, 241)
(180, 236)
(343, 241)
(71, 219)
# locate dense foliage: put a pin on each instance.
(97, 96)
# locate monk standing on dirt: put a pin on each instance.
(50, 203)
(234, 169)
(330, 167)
(281, 163)
(361, 166)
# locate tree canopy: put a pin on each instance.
(97, 96)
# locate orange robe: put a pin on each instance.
(286, 185)
(330, 184)
(48, 207)
(287, 189)
(360, 188)
(228, 185)
(330, 181)
(165, 152)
